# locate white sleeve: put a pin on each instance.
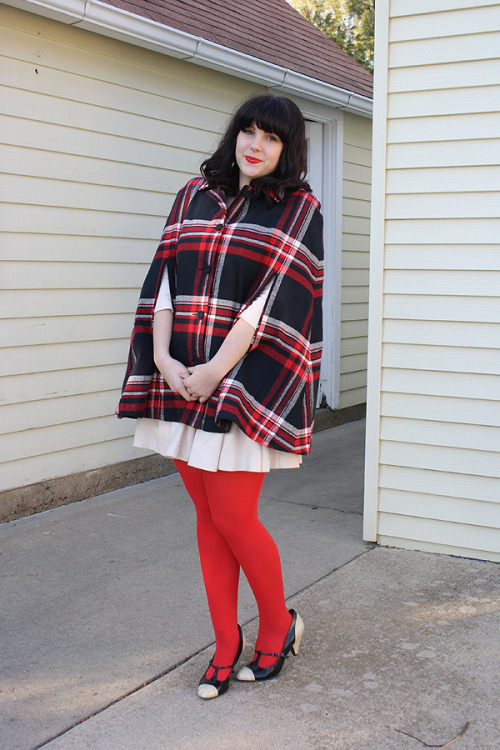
(164, 301)
(253, 312)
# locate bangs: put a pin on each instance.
(269, 114)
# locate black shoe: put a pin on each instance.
(213, 687)
(253, 672)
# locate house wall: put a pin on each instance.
(357, 157)
(97, 138)
(433, 437)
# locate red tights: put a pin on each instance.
(231, 536)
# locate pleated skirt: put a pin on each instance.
(228, 451)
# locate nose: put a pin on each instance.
(257, 143)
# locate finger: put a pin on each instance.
(184, 393)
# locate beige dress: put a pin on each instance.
(211, 451)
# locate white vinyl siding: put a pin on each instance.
(96, 138)
(355, 259)
(433, 445)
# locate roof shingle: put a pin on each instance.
(269, 30)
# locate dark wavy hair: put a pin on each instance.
(273, 114)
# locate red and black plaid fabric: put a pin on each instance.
(218, 261)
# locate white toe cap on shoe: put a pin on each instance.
(245, 674)
(207, 691)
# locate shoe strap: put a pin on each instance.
(216, 670)
(266, 653)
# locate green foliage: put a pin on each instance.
(350, 23)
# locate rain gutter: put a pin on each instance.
(116, 23)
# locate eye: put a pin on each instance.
(273, 137)
(248, 130)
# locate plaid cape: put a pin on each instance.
(218, 261)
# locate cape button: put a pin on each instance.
(200, 315)
(219, 226)
(206, 269)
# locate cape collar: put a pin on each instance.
(246, 190)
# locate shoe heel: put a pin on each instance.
(299, 632)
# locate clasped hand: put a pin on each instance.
(202, 381)
(196, 383)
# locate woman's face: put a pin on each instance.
(257, 153)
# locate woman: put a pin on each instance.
(224, 363)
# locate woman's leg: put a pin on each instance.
(220, 570)
(233, 499)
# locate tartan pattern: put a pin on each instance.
(218, 261)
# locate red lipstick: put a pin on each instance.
(252, 160)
